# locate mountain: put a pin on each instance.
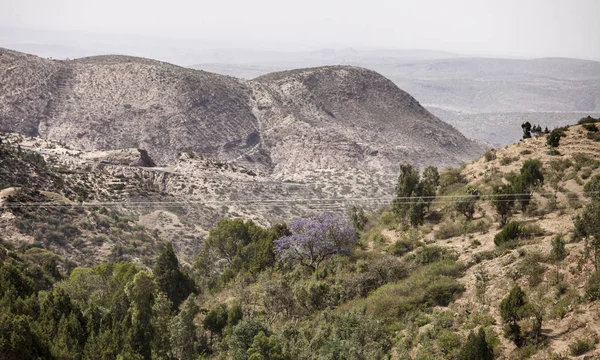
(477, 94)
(330, 117)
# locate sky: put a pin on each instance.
(502, 28)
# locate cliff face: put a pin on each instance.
(330, 117)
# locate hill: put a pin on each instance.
(114, 102)
(475, 94)
(404, 281)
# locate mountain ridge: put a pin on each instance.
(110, 102)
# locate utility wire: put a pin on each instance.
(447, 199)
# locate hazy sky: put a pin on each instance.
(511, 28)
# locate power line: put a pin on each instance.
(445, 199)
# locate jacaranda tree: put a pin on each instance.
(315, 239)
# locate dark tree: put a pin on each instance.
(476, 348)
(216, 320)
(170, 279)
(407, 187)
(503, 200)
(358, 217)
(553, 139)
(466, 203)
(513, 308)
(526, 130)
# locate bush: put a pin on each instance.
(587, 120)
(590, 127)
(509, 233)
(558, 251)
(580, 347)
(490, 155)
(242, 338)
(507, 160)
(592, 288)
(592, 187)
(402, 246)
(447, 230)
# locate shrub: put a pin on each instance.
(525, 152)
(580, 347)
(587, 120)
(509, 233)
(490, 155)
(590, 127)
(558, 251)
(583, 160)
(451, 177)
(553, 152)
(592, 187)
(507, 160)
(592, 287)
(447, 230)
(402, 246)
(594, 136)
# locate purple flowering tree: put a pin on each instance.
(315, 239)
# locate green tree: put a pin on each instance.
(558, 251)
(430, 183)
(587, 226)
(513, 308)
(242, 338)
(407, 186)
(141, 292)
(358, 217)
(161, 319)
(235, 314)
(476, 347)
(466, 202)
(416, 214)
(19, 340)
(267, 348)
(216, 320)
(532, 173)
(183, 331)
(530, 176)
(503, 201)
(169, 277)
(553, 138)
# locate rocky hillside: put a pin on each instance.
(547, 255)
(331, 117)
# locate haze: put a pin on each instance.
(508, 28)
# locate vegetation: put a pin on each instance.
(356, 285)
(413, 194)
